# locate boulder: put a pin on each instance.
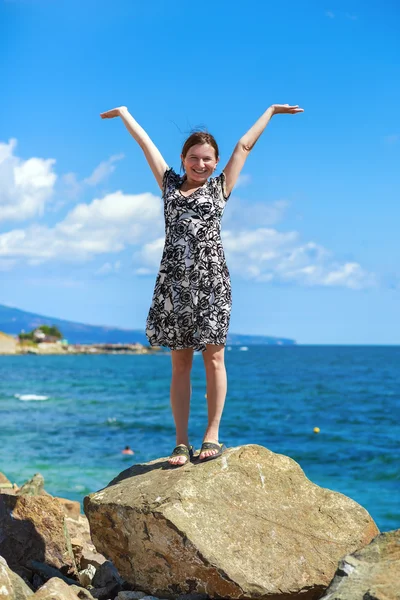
(55, 589)
(82, 593)
(32, 528)
(371, 573)
(33, 487)
(106, 593)
(246, 525)
(72, 508)
(106, 574)
(12, 586)
(4, 482)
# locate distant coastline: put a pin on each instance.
(10, 345)
(13, 321)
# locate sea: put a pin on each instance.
(69, 417)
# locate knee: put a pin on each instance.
(214, 363)
(182, 366)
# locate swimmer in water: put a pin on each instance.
(127, 450)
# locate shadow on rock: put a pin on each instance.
(20, 542)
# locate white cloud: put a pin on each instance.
(71, 186)
(149, 257)
(105, 225)
(103, 170)
(109, 224)
(143, 271)
(109, 267)
(351, 275)
(243, 179)
(331, 15)
(267, 255)
(28, 187)
(25, 185)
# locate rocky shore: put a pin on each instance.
(11, 345)
(248, 525)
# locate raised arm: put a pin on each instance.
(246, 143)
(151, 152)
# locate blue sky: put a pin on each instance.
(311, 233)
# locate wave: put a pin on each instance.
(29, 397)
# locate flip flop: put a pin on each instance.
(211, 446)
(182, 450)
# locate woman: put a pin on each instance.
(191, 303)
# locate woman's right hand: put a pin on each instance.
(114, 112)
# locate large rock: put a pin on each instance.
(33, 487)
(55, 589)
(372, 573)
(12, 587)
(5, 483)
(246, 525)
(32, 528)
(71, 508)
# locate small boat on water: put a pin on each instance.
(243, 348)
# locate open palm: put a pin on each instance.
(286, 109)
(114, 112)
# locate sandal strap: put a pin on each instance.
(182, 450)
(210, 446)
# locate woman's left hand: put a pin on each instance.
(286, 109)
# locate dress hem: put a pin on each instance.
(196, 347)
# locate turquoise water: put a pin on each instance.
(68, 417)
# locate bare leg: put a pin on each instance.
(216, 392)
(180, 397)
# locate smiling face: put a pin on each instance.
(199, 162)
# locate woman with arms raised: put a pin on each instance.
(192, 301)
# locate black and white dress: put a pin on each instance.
(192, 299)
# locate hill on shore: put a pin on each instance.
(14, 320)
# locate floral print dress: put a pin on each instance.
(192, 299)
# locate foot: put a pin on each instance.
(180, 455)
(210, 452)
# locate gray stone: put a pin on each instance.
(107, 592)
(105, 574)
(371, 573)
(86, 575)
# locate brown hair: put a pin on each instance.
(199, 137)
